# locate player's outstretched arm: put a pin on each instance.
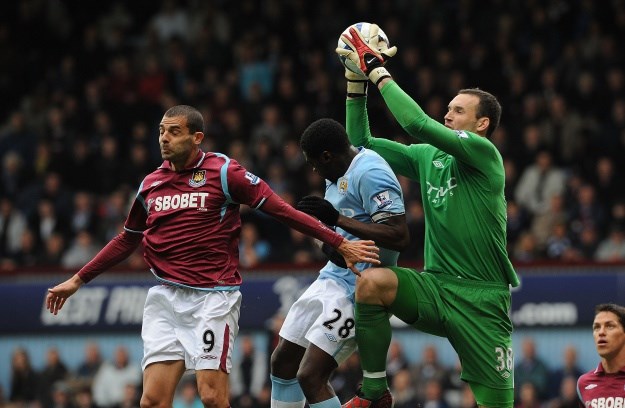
(56, 297)
(353, 252)
(118, 249)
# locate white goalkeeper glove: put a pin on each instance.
(366, 55)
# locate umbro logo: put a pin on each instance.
(590, 386)
(438, 164)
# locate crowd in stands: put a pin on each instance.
(84, 86)
(115, 382)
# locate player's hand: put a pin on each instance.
(333, 255)
(56, 296)
(319, 208)
(367, 56)
(359, 251)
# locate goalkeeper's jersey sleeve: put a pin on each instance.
(462, 182)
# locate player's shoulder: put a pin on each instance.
(371, 160)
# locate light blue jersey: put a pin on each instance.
(368, 192)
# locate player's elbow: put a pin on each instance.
(400, 239)
(404, 240)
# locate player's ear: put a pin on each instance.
(326, 156)
(482, 124)
(198, 137)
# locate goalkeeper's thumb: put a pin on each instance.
(389, 52)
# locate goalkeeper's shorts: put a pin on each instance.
(474, 316)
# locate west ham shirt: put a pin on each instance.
(598, 389)
(190, 220)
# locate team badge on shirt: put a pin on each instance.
(342, 185)
(382, 199)
(198, 178)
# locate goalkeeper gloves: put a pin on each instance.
(366, 55)
(319, 208)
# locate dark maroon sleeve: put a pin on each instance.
(118, 249)
(304, 223)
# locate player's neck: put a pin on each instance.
(614, 365)
(181, 165)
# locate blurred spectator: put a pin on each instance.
(52, 253)
(530, 370)
(28, 254)
(12, 227)
(109, 383)
(250, 371)
(131, 398)
(13, 175)
(61, 396)
(559, 244)
(607, 181)
(587, 211)
(46, 222)
(395, 361)
(89, 366)
(538, 183)
(612, 248)
(54, 373)
(434, 395)
(568, 368)
(586, 243)
(528, 396)
(252, 249)
(187, 396)
(428, 369)
(543, 224)
(24, 380)
(403, 390)
(453, 385)
(80, 251)
(567, 394)
(526, 248)
(83, 397)
(84, 216)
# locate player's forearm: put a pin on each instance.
(391, 235)
(118, 249)
(304, 223)
(357, 122)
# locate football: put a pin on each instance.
(364, 30)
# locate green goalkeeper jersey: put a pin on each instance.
(462, 188)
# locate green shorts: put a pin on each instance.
(474, 316)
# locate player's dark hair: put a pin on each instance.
(488, 107)
(324, 135)
(613, 308)
(195, 121)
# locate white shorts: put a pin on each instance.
(323, 316)
(196, 326)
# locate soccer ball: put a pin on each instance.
(364, 30)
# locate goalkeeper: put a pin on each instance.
(464, 291)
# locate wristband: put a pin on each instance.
(357, 88)
(378, 74)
